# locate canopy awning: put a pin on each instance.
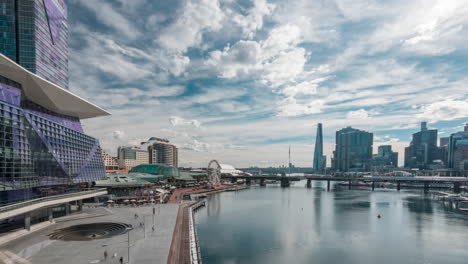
(48, 94)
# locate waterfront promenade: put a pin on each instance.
(146, 246)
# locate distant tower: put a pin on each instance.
(319, 158)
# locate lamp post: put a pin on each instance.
(128, 246)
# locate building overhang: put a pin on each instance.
(48, 94)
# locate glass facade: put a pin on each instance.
(7, 29)
(35, 35)
(41, 152)
(41, 149)
(423, 149)
(353, 150)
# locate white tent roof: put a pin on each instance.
(48, 94)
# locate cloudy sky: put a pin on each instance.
(240, 81)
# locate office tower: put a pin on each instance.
(423, 149)
(458, 150)
(129, 157)
(161, 151)
(353, 150)
(319, 159)
(43, 150)
(35, 35)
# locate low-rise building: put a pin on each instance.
(129, 157)
(110, 163)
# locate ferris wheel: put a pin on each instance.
(214, 172)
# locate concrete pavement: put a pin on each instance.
(146, 246)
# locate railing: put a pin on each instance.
(18, 205)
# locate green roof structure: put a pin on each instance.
(157, 169)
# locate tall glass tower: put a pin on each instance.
(34, 34)
(43, 149)
(319, 158)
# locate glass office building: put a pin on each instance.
(43, 150)
(42, 146)
(353, 150)
(34, 34)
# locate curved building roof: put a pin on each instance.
(157, 169)
(48, 94)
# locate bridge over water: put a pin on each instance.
(457, 182)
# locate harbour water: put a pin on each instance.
(298, 225)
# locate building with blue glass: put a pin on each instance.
(353, 150)
(43, 150)
(35, 35)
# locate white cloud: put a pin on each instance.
(303, 88)
(117, 134)
(253, 21)
(106, 14)
(197, 17)
(358, 114)
(290, 107)
(179, 121)
(445, 109)
(277, 60)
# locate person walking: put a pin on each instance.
(105, 255)
(121, 260)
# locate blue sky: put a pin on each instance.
(240, 81)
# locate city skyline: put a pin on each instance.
(245, 80)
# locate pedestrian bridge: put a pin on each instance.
(426, 180)
(20, 208)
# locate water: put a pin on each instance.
(299, 225)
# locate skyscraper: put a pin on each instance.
(43, 149)
(423, 149)
(319, 159)
(353, 151)
(35, 35)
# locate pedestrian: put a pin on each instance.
(121, 260)
(136, 216)
(105, 254)
(153, 229)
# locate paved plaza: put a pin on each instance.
(146, 245)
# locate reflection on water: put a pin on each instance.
(299, 225)
(213, 205)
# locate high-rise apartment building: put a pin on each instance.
(353, 150)
(423, 150)
(34, 34)
(129, 157)
(43, 150)
(161, 151)
(320, 160)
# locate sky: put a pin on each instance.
(241, 81)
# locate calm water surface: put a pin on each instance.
(299, 225)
